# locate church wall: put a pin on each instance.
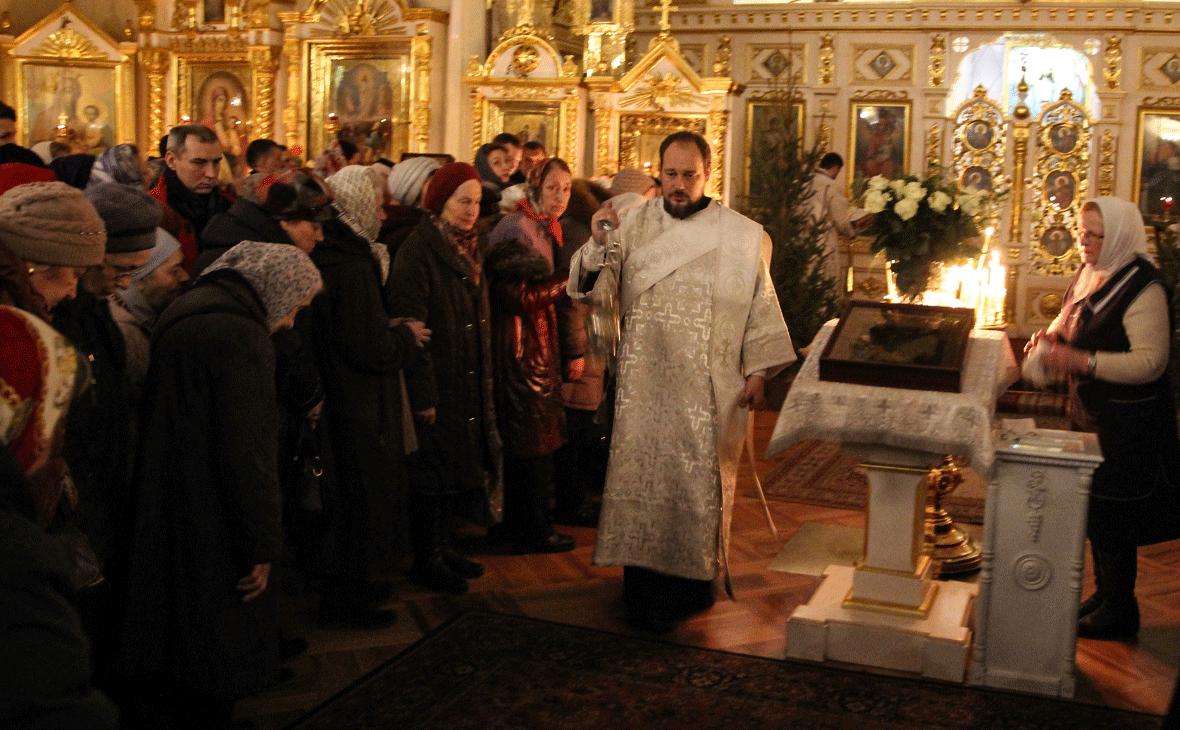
(109, 15)
(832, 44)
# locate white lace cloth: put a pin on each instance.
(943, 423)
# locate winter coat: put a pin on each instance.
(98, 446)
(244, 221)
(460, 453)
(359, 358)
(585, 393)
(527, 349)
(206, 500)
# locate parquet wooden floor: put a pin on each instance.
(568, 588)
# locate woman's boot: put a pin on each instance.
(431, 536)
(1118, 616)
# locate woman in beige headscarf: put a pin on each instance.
(1112, 340)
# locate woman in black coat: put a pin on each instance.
(198, 615)
(360, 354)
(438, 278)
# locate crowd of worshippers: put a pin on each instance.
(319, 371)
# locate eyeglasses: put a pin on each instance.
(1083, 234)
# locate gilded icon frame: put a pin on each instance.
(32, 78)
(640, 136)
(198, 78)
(869, 154)
(761, 114)
(1155, 177)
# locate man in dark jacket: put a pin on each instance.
(188, 188)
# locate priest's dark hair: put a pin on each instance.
(7, 112)
(831, 160)
(686, 137)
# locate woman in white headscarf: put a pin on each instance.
(360, 353)
(1112, 340)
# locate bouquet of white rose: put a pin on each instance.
(921, 223)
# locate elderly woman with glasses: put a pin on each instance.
(1112, 341)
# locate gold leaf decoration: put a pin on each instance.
(663, 91)
(69, 43)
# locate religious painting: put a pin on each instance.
(529, 121)
(898, 346)
(602, 11)
(979, 135)
(361, 93)
(976, 178)
(640, 137)
(1063, 138)
(219, 98)
(774, 131)
(879, 142)
(72, 104)
(1060, 188)
(214, 11)
(1056, 241)
(1157, 164)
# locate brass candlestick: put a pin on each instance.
(952, 550)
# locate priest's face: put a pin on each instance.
(682, 177)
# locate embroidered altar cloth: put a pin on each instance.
(945, 423)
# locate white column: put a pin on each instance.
(465, 38)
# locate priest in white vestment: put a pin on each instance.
(827, 203)
(701, 330)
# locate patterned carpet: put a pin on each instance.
(496, 672)
(817, 472)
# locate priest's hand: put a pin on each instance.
(753, 395)
(254, 582)
(1062, 358)
(605, 212)
(1050, 337)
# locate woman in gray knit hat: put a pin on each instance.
(56, 232)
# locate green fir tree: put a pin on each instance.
(778, 201)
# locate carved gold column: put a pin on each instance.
(718, 124)
(934, 147)
(1020, 132)
(1106, 150)
(937, 60)
(604, 159)
(155, 67)
(477, 102)
(420, 49)
(265, 61)
(125, 87)
(569, 143)
(293, 133)
(1114, 59)
(827, 59)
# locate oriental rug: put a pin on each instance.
(819, 473)
(486, 671)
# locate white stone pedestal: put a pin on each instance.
(935, 646)
(1034, 536)
(887, 612)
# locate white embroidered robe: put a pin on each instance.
(699, 314)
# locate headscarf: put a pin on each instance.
(409, 177)
(43, 151)
(37, 378)
(484, 168)
(281, 275)
(74, 170)
(118, 164)
(330, 160)
(355, 189)
(1123, 240)
(530, 204)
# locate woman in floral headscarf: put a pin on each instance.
(121, 163)
(360, 354)
(199, 615)
(38, 620)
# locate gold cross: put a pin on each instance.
(665, 7)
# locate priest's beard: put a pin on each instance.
(683, 208)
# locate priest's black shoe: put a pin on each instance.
(1110, 621)
(461, 565)
(555, 542)
(651, 619)
(431, 571)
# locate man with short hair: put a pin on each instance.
(701, 331)
(827, 203)
(266, 156)
(188, 188)
(10, 151)
(511, 143)
(532, 153)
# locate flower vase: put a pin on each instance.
(933, 273)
